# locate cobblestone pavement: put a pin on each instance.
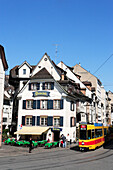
(8, 150)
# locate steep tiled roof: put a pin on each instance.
(3, 57)
(42, 74)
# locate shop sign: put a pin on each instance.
(56, 129)
(41, 93)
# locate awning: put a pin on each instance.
(33, 130)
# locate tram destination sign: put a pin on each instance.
(83, 127)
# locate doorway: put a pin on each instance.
(56, 135)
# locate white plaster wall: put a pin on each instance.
(54, 94)
(27, 75)
(49, 67)
(73, 77)
(2, 76)
(7, 113)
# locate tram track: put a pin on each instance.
(64, 156)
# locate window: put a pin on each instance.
(29, 104)
(4, 119)
(56, 104)
(98, 133)
(83, 134)
(43, 104)
(56, 121)
(48, 86)
(34, 86)
(72, 106)
(43, 120)
(29, 120)
(89, 134)
(24, 71)
(93, 133)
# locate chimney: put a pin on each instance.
(83, 90)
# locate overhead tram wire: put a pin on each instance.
(101, 65)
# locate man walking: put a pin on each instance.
(30, 145)
(64, 141)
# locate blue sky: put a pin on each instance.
(83, 30)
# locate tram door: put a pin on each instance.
(56, 135)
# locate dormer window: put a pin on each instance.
(24, 71)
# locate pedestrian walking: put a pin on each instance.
(64, 141)
(30, 145)
(68, 141)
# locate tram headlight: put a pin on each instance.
(82, 143)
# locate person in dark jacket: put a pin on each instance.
(30, 145)
(64, 141)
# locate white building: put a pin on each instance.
(3, 68)
(96, 84)
(85, 109)
(47, 107)
(7, 105)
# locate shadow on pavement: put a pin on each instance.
(108, 145)
(75, 148)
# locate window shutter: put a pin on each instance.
(52, 85)
(74, 121)
(71, 121)
(61, 121)
(34, 104)
(24, 104)
(29, 86)
(43, 86)
(38, 86)
(38, 104)
(38, 120)
(33, 120)
(50, 121)
(61, 104)
(50, 104)
(23, 120)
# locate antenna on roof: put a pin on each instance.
(56, 51)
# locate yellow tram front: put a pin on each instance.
(91, 136)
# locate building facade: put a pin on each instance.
(3, 68)
(96, 88)
(47, 100)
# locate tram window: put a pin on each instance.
(83, 134)
(105, 131)
(98, 133)
(93, 133)
(89, 134)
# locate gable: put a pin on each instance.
(24, 71)
(46, 63)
